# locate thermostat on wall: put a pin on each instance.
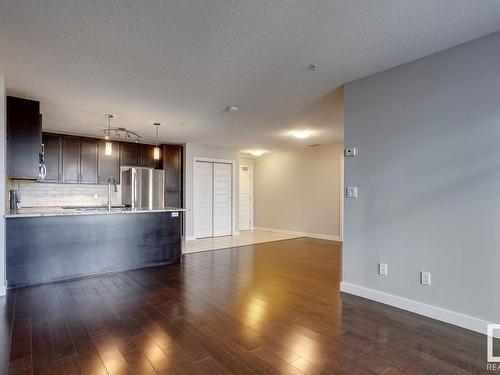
(350, 152)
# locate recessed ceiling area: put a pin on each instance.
(184, 63)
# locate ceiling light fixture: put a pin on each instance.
(232, 109)
(156, 152)
(300, 134)
(257, 152)
(118, 133)
(109, 146)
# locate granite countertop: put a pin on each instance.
(60, 211)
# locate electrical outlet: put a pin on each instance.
(382, 269)
(351, 192)
(306, 224)
(425, 278)
(95, 196)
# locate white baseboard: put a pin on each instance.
(3, 290)
(438, 313)
(302, 234)
(237, 233)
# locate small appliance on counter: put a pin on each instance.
(14, 199)
(143, 188)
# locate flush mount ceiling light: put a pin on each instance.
(301, 134)
(156, 152)
(257, 152)
(232, 109)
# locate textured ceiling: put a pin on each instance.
(183, 62)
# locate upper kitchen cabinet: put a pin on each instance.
(79, 160)
(146, 156)
(129, 154)
(172, 165)
(70, 159)
(52, 148)
(88, 161)
(138, 155)
(24, 138)
(108, 165)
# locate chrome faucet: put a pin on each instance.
(111, 180)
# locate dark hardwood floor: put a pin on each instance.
(264, 309)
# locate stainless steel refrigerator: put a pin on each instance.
(143, 188)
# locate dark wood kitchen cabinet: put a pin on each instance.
(138, 155)
(172, 166)
(146, 156)
(79, 160)
(129, 154)
(52, 147)
(70, 159)
(24, 138)
(88, 161)
(108, 165)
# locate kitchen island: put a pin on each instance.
(52, 244)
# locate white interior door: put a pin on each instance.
(223, 199)
(203, 199)
(245, 200)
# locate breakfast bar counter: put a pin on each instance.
(63, 244)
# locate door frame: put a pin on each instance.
(342, 197)
(196, 159)
(250, 168)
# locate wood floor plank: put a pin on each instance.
(272, 308)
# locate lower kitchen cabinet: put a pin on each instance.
(53, 248)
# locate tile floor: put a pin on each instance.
(248, 237)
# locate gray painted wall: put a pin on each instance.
(428, 174)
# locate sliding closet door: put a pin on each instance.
(203, 199)
(222, 206)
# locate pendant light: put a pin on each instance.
(156, 152)
(109, 146)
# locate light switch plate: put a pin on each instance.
(425, 278)
(351, 192)
(382, 269)
(351, 151)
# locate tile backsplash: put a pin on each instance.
(37, 194)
